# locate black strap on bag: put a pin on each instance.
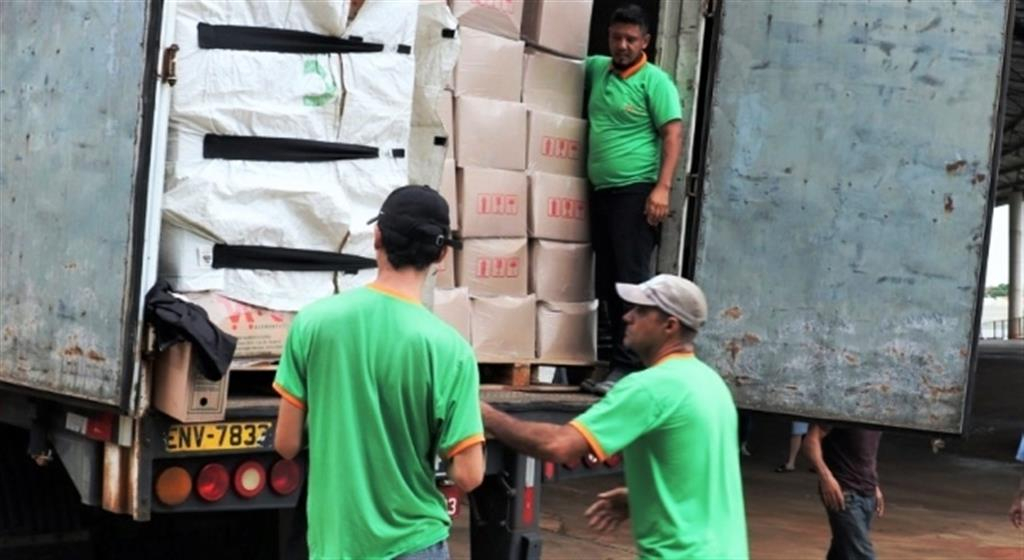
(268, 39)
(268, 148)
(256, 257)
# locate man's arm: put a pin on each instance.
(466, 468)
(548, 442)
(671, 148)
(831, 492)
(288, 432)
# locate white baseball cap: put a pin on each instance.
(674, 295)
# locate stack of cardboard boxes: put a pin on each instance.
(521, 287)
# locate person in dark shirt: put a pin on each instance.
(846, 460)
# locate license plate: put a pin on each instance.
(452, 498)
(217, 436)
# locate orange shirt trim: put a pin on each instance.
(595, 446)
(393, 293)
(674, 356)
(624, 74)
(464, 445)
(296, 401)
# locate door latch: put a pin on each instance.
(169, 66)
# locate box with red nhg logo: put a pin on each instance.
(493, 267)
(561, 271)
(559, 210)
(503, 328)
(501, 17)
(260, 332)
(556, 144)
(489, 66)
(492, 202)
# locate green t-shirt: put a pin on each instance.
(626, 116)
(387, 388)
(675, 424)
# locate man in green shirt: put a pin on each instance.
(636, 137)
(675, 423)
(384, 387)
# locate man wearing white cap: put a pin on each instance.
(675, 423)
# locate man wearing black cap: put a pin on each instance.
(675, 423)
(383, 387)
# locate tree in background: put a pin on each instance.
(1002, 290)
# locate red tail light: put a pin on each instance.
(213, 482)
(250, 478)
(285, 476)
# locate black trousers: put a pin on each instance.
(623, 247)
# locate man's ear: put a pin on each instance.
(378, 243)
(443, 255)
(647, 40)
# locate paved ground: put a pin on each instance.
(952, 504)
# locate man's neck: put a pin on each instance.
(621, 68)
(666, 350)
(407, 282)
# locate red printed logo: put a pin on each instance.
(497, 203)
(503, 5)
(239, 313)
(560, 148)
(567, 208)
(497, 267)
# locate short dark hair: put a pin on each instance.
(630, 14)
(403, 252)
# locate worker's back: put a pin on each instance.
(388, 387)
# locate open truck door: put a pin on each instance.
(841, 223)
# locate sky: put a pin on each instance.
(998, 269)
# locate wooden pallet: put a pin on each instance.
(525, 373)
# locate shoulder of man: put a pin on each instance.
(597, 62)
(656, 73)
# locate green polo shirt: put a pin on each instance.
(387, 387)
(626, 112)
(676, 426)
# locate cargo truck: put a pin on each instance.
(835, 206)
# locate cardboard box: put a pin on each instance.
(501, 17)
(493, 267)
(552, 83)
(445, 279)
(453, 307)
(557, 144)
(450, 192)
(490, 133)
(559, 208)
(182, 392)
(260, 332)
(561, 271)
(559, 26)
(503, 328)
(567, 332)
(492, 202)
(489, 66)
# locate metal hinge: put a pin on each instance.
(169, 66)
(691, 185)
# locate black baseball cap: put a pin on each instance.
(417, 212)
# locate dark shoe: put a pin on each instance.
(784, 469)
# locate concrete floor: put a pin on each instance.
(951, 504)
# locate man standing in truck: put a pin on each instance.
(635, 138)
(846, 460)
(675, 423)
(384, 387)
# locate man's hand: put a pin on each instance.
(657, 204)
(610, 510)
(1017, 511)
(831, 494)
(879, 502)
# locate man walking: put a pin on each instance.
(636, 136)
(846, 461)
(384, 387)
(675, 423)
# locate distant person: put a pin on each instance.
(796, 439)
(675, 423)
(635, 142)
(1017, 507)
(384, 387)
(846, 460)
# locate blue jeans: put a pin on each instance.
(438, 551)
(851, 539)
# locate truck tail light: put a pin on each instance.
(173, 486)
(213, 482)
(285, 476)
(250, 478)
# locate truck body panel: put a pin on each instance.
(844, 210)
